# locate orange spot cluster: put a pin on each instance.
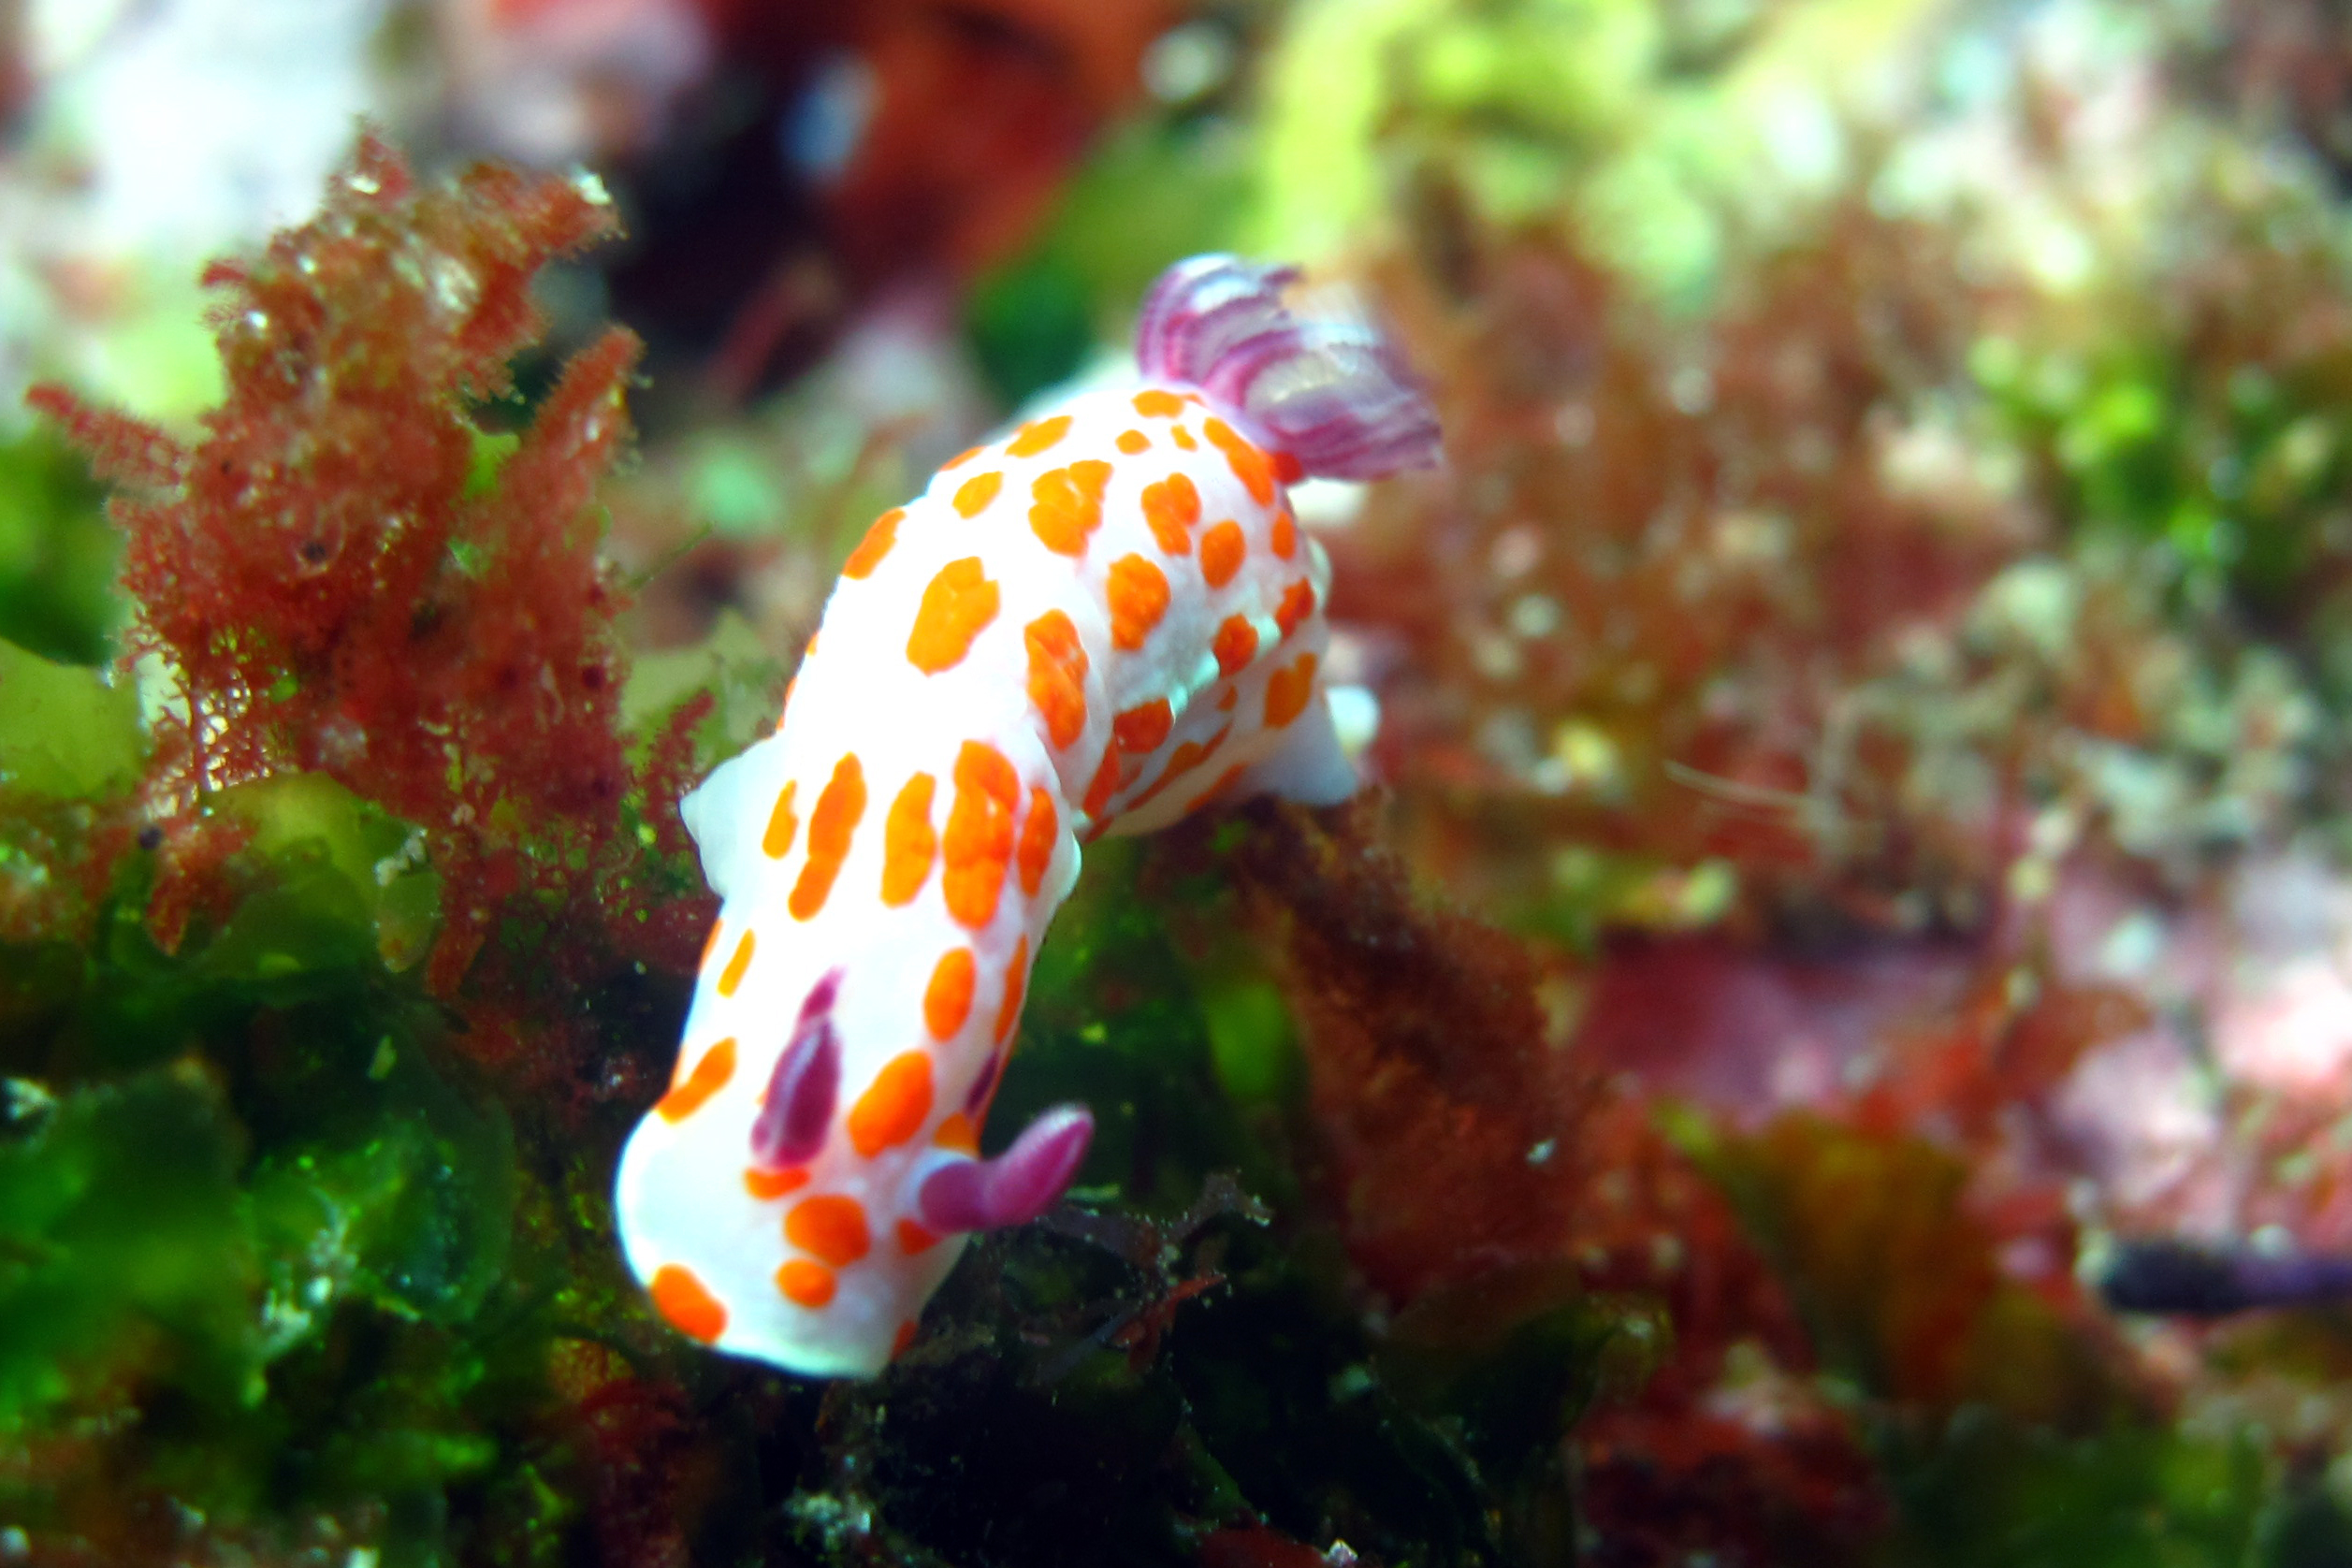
(1038, 435)
(1249, 465)
(709, 1076)
(1036, 851)
(1066, 504)
(894, 1105)
(875, 546)
(1171, 506)
(908, 843)
(831, 827)
(1298, 603)
(980, 839)
(1142, 728)
(973, 496)
(1137, 592)
(1103, 785)
(1222, 550)
(1287, 690)
(1156, 403)
(947, 1001)
(687, 1304)
(830, 1226)
(1016, 978)
(777, 841)
(769, 1186)
(805, 1284)
(957, 606)
(1057, 676)
(1235, 644)
(1187, 756)
(731, 976)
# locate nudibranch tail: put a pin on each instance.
(1328, 391)
(1017, 1186)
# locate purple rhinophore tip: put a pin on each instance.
(1017, 1186)
(1331, 392)
(792, 1120)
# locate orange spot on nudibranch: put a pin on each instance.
(709, 1076)
(1250, 465)
(908, 843)
(1186, 757)
(1142, 728)
(777, 841)
(769, 1186)
(805, 1284)
(913, 1239)
(1104, 784)
(1298, 603)
(1227, 698)
(1287, 690)
(1286, 540)
(731, 976)
(687, 1304)
(1220, 552)
(1225, 781)
(1133, 442)
(1067, 504)
(901, 1339)
(1183, 438)
(1137, 592)
(831, 827)
(1038, 831)
(956, 1132)
(1057, 676)
(978, 843)
(947, 1001)
(1170, 507)
(957, 606)
(1038, 436)
(1235, 644)
(1016, 978)
(1155, 403)
(973, 496)
(710, 944)
(893, 1107)
(830, 1226)
(1288, 469)
(962, 458)
(875, 546)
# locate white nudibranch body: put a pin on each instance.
(1094, 625)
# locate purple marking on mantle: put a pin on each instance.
(803, 1089)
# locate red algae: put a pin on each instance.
(344, 572)
(1643, 610)
(1469, 1151)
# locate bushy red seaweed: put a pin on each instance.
(1465, 1144)
(346, 574)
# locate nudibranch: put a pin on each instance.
(1096, 624)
